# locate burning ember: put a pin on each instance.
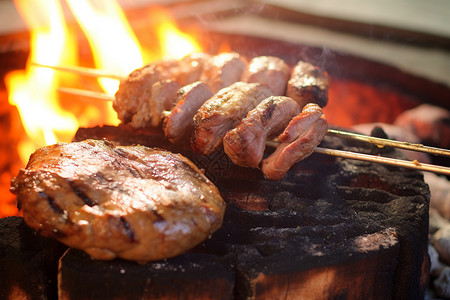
(48, 118)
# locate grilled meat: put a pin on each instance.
(245, 144)
(112, 201)
(178, 125)
(308, 84)
(269, 70)
(191, 67)
(135, 93)
(297, 141)
(163, 98)
(222, 70)
(150, 112)
(137, 88)
(223, 112)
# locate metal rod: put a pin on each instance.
(384, 160)
(380, 142)
(81, 71)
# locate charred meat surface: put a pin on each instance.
(245, 144)
(269, 70)
(132, 202)
(308, 84)
(223, 112)
(297, 141)
(222, 70)
(179, 124)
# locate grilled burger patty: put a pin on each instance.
(112, 201)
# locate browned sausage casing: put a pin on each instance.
(179, 124)
(269, 70)
(308, 84)
(245, 144)
(223, 112)
(222, 70)
(297, 141)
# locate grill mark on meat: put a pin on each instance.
(121, 152)
(80, 194)
(159, 217)
(131, 213)
(268, 112)
(245, 144)
(51, 201)
(128, 230)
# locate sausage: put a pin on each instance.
(297, 141)
(245, 144)
(189, 99)
(308, 84)
(222, 70)
(223, 112)
(269, 70)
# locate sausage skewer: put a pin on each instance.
(332, 152)
(380, 142)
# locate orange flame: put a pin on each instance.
(48, 119)
(115, 49)
(33, 91)
(175, 43)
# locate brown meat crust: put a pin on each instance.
(223, 112)
(268, 70)
(222, 70)
(245, 144)
(178, 125)
(297, 141)
(137, 88)
(112, 201)
(308, 84)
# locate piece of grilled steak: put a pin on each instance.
(179, 124)
(246, 143)
(222, 70)
(269, 70)
(308, 84)
(223, 112)
(132, 202)
(297, 141)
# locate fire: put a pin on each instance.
(33, 91)
(115, 47)
(46, 116)
(175, 44)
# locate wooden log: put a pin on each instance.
(189, 276)
(332, 228)
(28, 262)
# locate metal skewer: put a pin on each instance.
(339, 153)
(380, 142)
(81, 71)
